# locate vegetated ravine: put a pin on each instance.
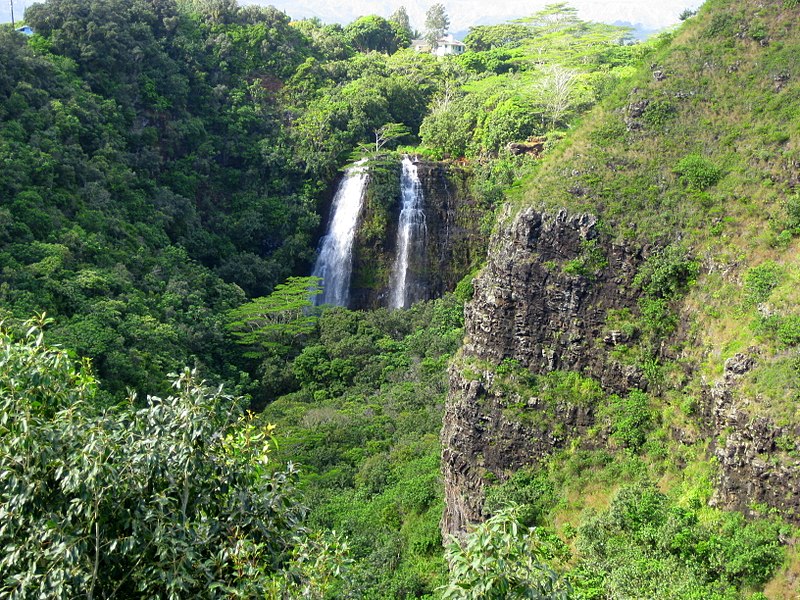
(611, 389)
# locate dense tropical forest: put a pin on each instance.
(177, 417)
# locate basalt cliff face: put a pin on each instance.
(680, 158)
(529, 310)
(757, 458)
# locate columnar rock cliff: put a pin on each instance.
(757, 458)
(698, 153)
(529, 308)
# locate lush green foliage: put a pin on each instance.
(375, 33)
(363, 426)
(644, 546)
(522, 80)
(172, 500)
(643, 543)
(530, 490)
(162, 163)
(157, 160)
(760, 281)
(502, 559)
(697, 172)
(628, 419)
(667, 273)
(273, 323)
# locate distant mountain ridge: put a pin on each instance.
(463, 13)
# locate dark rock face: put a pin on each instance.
(753, 469)
(527, 308)
(453, 241)
(534, 147)
(480, 438)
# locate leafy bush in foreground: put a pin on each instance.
(174, 500)
(502, 559)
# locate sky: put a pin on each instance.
(648, 14)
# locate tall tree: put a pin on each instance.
(401, 20)
(556, 91)
(374, 33)
(272, 323)
(436, 24)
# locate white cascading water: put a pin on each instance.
(335, 261)
(411, 233)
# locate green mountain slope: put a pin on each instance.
(162, 161)
(630, 354)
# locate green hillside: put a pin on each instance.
(606, 408)
(686, 387)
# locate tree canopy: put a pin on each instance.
(436, 24)
(376, 33)
(176, 499)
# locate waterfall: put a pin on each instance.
(335, 261)
(411, 233)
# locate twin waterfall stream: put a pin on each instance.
(335, 261)
(411, 233)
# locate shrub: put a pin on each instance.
(667, 273)
(760, 281)
(177, 499)
(789, 330)
(629, 419)
(657, 317)
(697, 172)
(502, 559)
(658, 113)
(793, 212)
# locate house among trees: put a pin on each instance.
(444, 46)
(420, 45)
(449, 45)
(25, 30)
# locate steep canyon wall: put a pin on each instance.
(527, 309)
(532, 311)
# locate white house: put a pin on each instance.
(420, 46)
(449, 45)
(444, 46)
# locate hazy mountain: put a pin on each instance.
(647, 15)
(464, 13)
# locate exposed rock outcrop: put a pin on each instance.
(483, 438)
(531, 307)
(754, 465)
(527, 307)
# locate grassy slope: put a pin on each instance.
(729, 95)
